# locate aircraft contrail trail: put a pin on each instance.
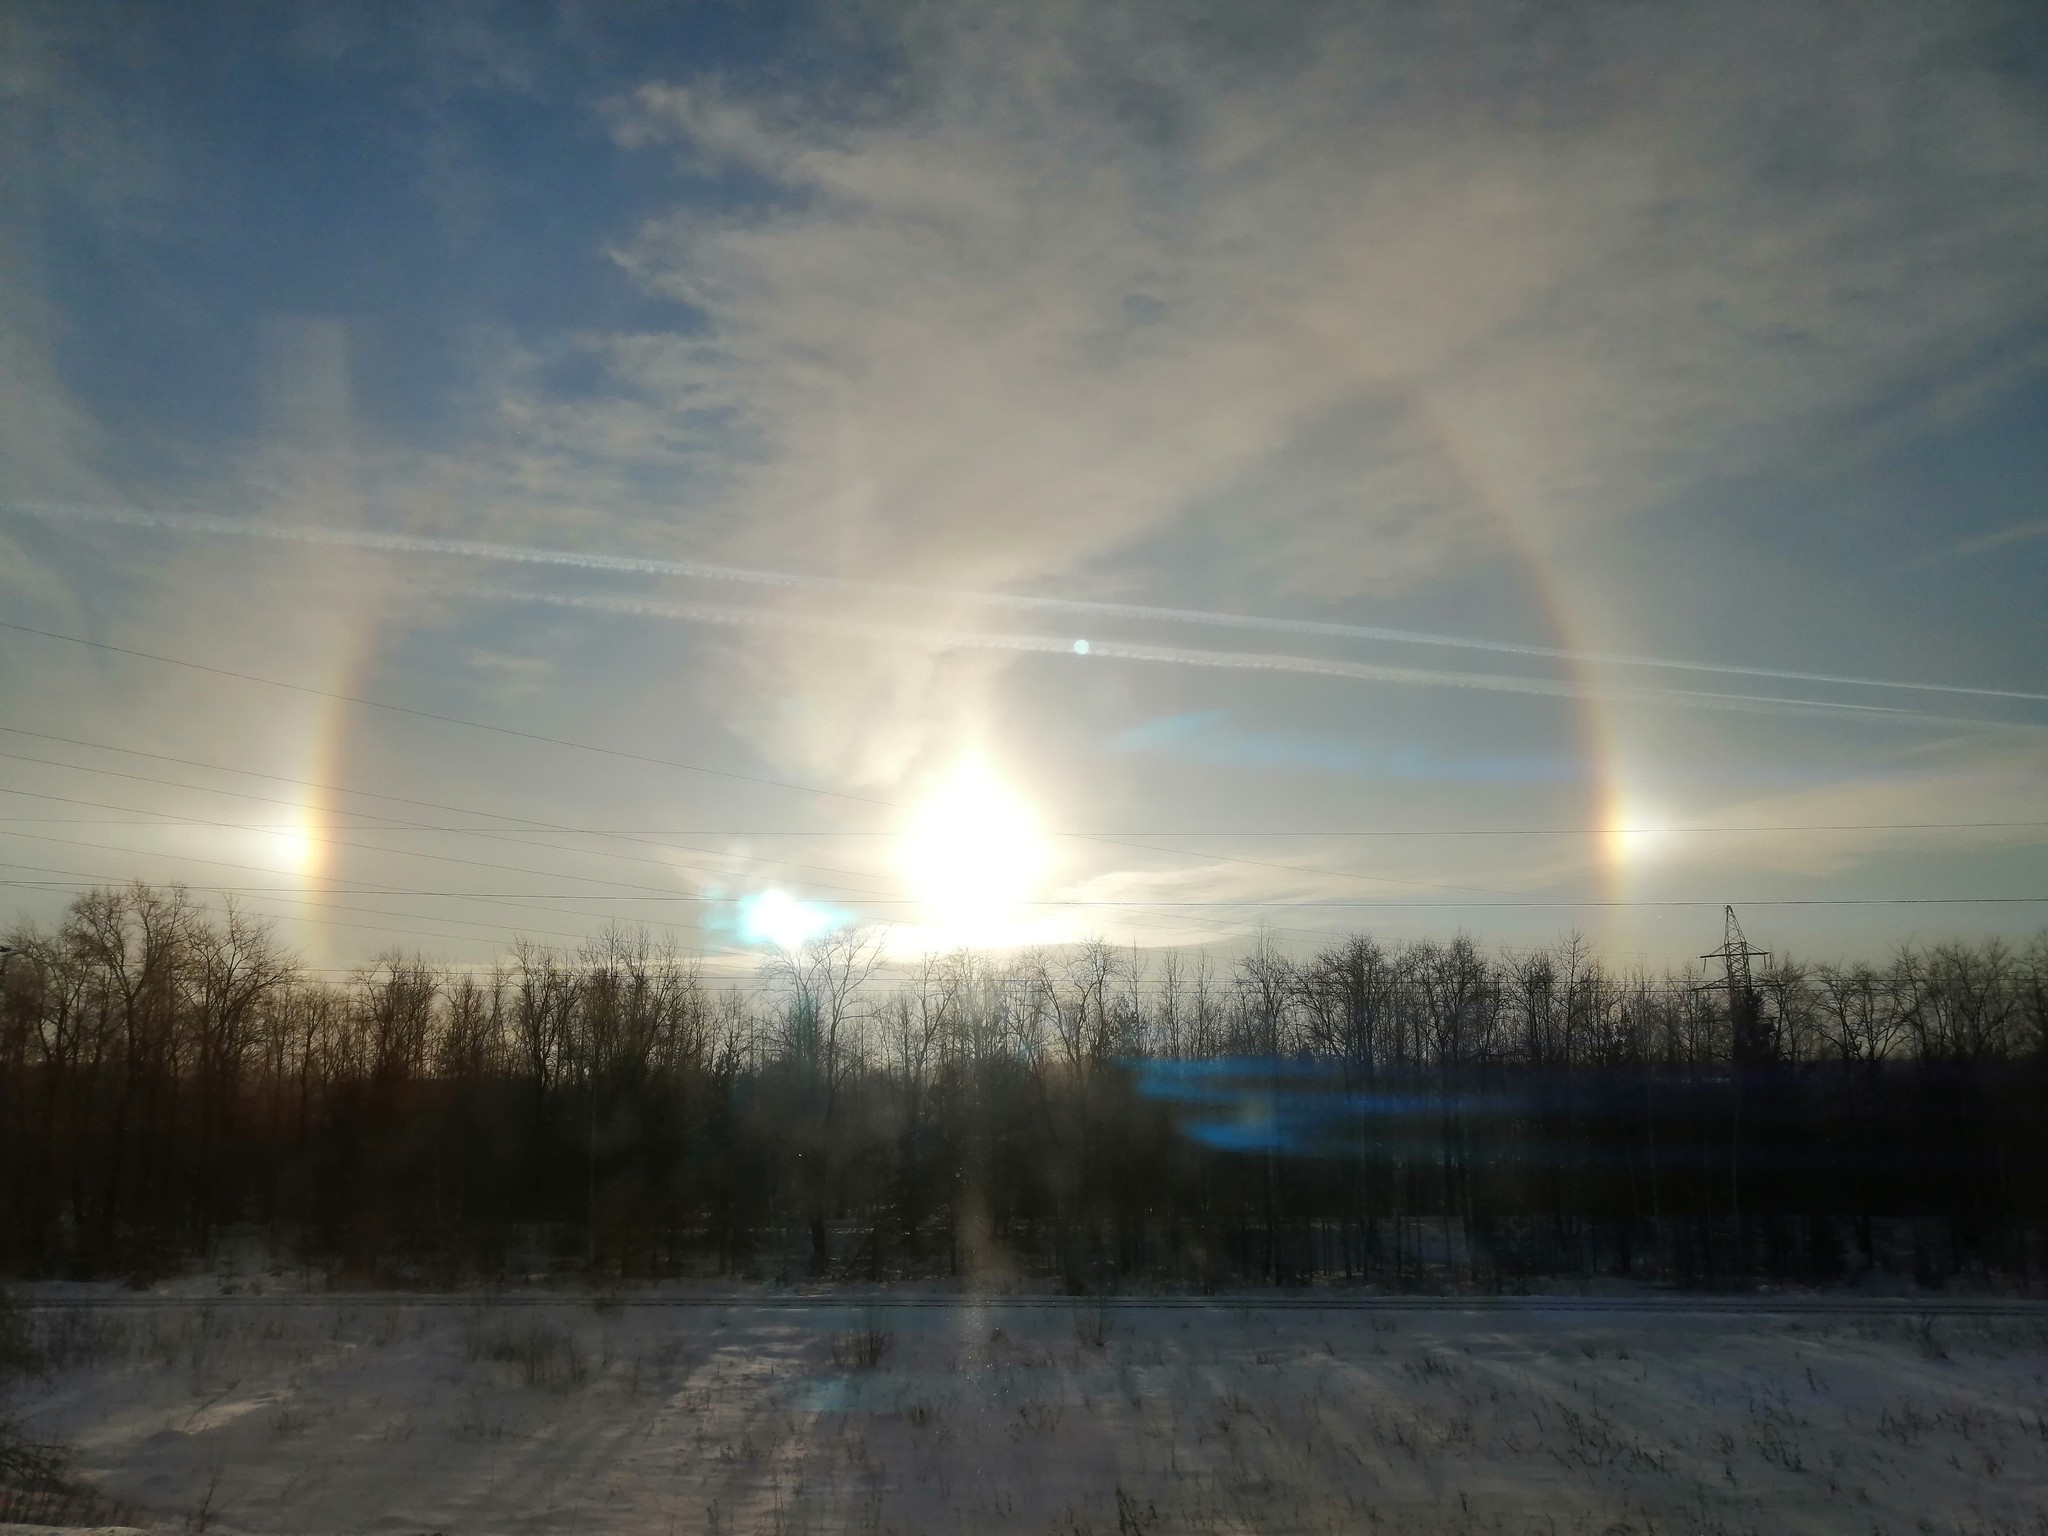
(1186, 656)
(697, 570)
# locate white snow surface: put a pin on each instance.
(398, 1414)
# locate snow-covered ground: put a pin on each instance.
(391, 1414)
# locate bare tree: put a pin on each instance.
(166, 1068)
(821, 980)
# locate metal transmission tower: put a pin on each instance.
(1748, 1044)
(1745, 1005)
(1735, 954)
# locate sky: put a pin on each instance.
(1007, 474)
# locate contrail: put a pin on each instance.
(697, 570)
(1185, 656)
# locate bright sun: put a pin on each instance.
(1638, 835)
(287, 847)
(973, 854)
(295, 849)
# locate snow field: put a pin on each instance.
(388, 1416)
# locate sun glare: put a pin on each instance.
(974, 854)
(1638, 835)
(294, 849)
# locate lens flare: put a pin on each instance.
(778, 918)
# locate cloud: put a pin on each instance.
(934, 603)
(1089, 273)
(1332, 305)
(2016, 534)
(1129, 322)
(1937, 799)
(1210, 736)
(930, 598)
(1330, 312)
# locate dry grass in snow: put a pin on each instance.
(386, 1415)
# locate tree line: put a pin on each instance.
(1415, 1115)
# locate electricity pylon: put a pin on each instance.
(1747, 1042)
(1735, 954)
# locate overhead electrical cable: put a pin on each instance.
(1304, 903)
(1105, 840)
(435, 715)
(176, 819)
(625, 754)
(384, 825)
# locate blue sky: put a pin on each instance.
(1629, 418)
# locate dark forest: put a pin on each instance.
(1419, 1116)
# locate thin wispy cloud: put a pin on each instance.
(1986, 543)
(395, 543)
(1141, 276)
(1640, 391)
(1188, 656)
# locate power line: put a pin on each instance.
(286, 893)
(173, 819)
(559, 741)
(639, 833)
(621, 753)
(651, 893)
(1298, 903)
(642, 832)
(428, 714)
(408, 932)
(508, 900)
(512, 899)
(176, 818)
(1659, 831)
(588, 747)
(394, 824)
(752, 858)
